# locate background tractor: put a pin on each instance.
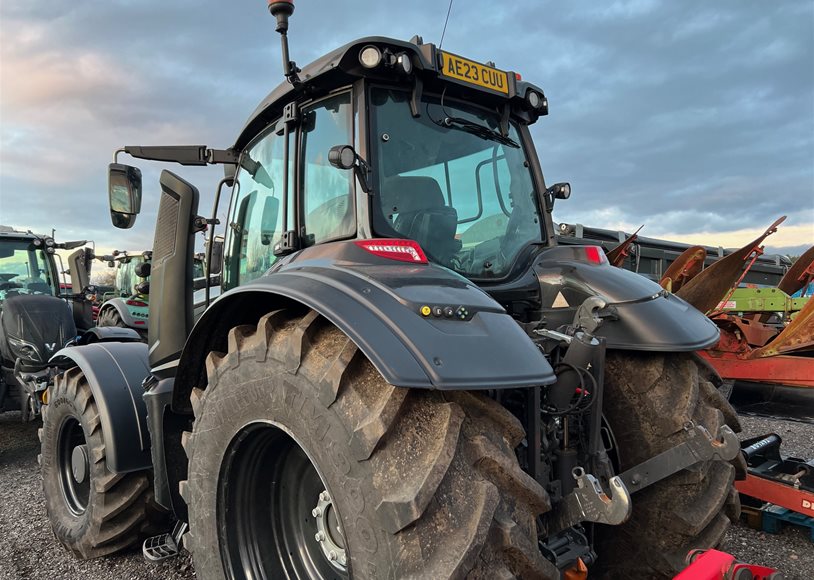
(404, 375)
(128, 305)
(37, 318)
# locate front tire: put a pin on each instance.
(93, 512)
(295, 424)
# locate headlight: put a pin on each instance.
(24, 349)
(370, 57)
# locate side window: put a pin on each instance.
(327, 192)
(255, 223)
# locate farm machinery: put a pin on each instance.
(759, 303)
(127, 305)
(404, 375)
(37, 318)
(767, 336)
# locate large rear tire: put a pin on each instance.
(419, 483)
(648, 400)
(93, 512)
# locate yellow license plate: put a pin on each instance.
(468, 71)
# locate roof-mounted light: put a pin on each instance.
(404, 63)
(370, 56)
(393, 249)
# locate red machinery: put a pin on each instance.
(715, 565)
(755, 346)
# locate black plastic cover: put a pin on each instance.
(115, 371)
(171, 307)
(641, 316)
(44, 322)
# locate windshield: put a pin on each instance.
(126, 278)
(451, 182)
(24, 269)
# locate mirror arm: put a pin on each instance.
(183, 154)
(362, 171)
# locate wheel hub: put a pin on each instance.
(329, 533)
(79, 463)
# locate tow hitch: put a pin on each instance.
(589, 502)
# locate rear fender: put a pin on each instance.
(378, 305)
(115, 371)
(641, 315)
(108, 334)
(120, 305)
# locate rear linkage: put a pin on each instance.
(583, 497)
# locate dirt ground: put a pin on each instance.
(28, 549)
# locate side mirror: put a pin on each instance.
(556, 191)
(342, 157)
(124, 193)
(72, 245)
(561, 190)
(345, 157)
(217, 256)
(142, 270)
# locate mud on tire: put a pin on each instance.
(426, 483)
(648, 400)
(105, 512)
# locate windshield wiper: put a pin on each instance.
(479, 130)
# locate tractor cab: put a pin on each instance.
(397, 140)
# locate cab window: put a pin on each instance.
(255, 220)
(328, 208)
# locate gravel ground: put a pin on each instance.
(792, 550)
(28, 549)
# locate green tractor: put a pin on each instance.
(127, 305)
(404, 375)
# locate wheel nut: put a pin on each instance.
(316, 512)
(343, 560)
(319, 537)
(332, 555)
(324, 496)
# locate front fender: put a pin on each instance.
(115, 371)
(378, 306)
(642, 315)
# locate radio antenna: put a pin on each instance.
(449, 9)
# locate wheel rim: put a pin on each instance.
(276, 517)
(74, 466)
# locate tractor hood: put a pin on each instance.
(640, 315)
(35, 327)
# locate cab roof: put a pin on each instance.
(10, 232)
(340, 67)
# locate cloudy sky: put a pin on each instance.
(695, 118)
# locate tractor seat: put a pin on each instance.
(416, 207)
